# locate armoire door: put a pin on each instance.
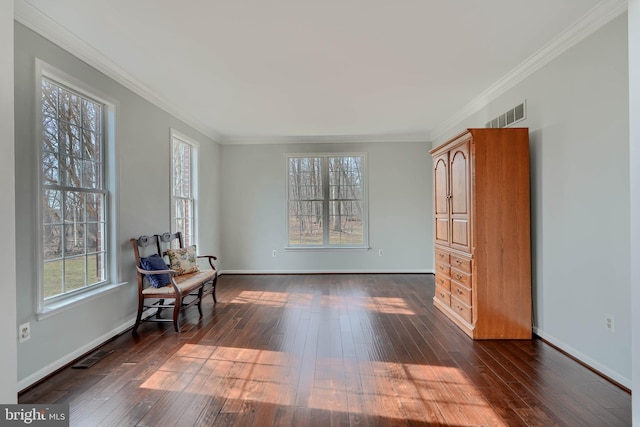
(459, 188)
(441, 199)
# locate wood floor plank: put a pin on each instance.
(328, 349)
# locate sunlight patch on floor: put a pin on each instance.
(386, 305)
(427, 392)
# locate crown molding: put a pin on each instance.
(323, 139)
(601, 14)
(598, 16)
(36, 20)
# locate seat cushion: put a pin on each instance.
(187, 283)
(154, 263)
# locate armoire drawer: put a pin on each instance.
(443, 295)
(442, 268)
(461, 309)
(460, 263)
(442, 256)
(460, 277)
(443, 281)
(461, 292)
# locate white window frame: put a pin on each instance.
(326, 199)
(177, 137)
(47, 306)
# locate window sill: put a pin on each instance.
(71, 302)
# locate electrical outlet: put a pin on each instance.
(610, 323)
(380, 252)
(274, 253)
(24, 332)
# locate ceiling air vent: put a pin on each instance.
(514, 115)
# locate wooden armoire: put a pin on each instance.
(482, 232)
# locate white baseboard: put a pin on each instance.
(416, 271)
(60, 363)
(616, 376)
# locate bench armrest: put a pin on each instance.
(210, 258)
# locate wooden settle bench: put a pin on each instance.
(178, 284)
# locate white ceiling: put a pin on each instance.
(251, 71)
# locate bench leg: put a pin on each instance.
(213, 290)
(176, 312)
(159, 309)
(200, 291)
(138, 316)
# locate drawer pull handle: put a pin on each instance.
(441, 255)
(458, 276)
(458, 291)
(458, 262)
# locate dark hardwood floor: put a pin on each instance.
(320, 350)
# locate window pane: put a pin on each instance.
(70, 171)
(183, 218)
(178, 225)
(74, 239)
(49, 99)
(90, 174)
(52, 242)
(95, 269)
(74, 273)
(73, 207)
(52, 280)
(69, 137)
(345, 223)
(94, 210)
(181, 169)
(305, 179)
(95, 233)
(305, 223)
(345, 177)
(50, 168)
(91, 114)
(69, 107)
(74, 228)
(50, 133)
(91, 147)
(51, 207)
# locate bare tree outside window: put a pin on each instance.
(325, 201)
(73, 198)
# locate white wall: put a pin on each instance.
(254, 210)
(8, 325)
(142, 199)
(578, 119)
(634, 139)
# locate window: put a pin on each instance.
(183, 191)
(73, 196)
(327, 201)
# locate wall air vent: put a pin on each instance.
(514, 115)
